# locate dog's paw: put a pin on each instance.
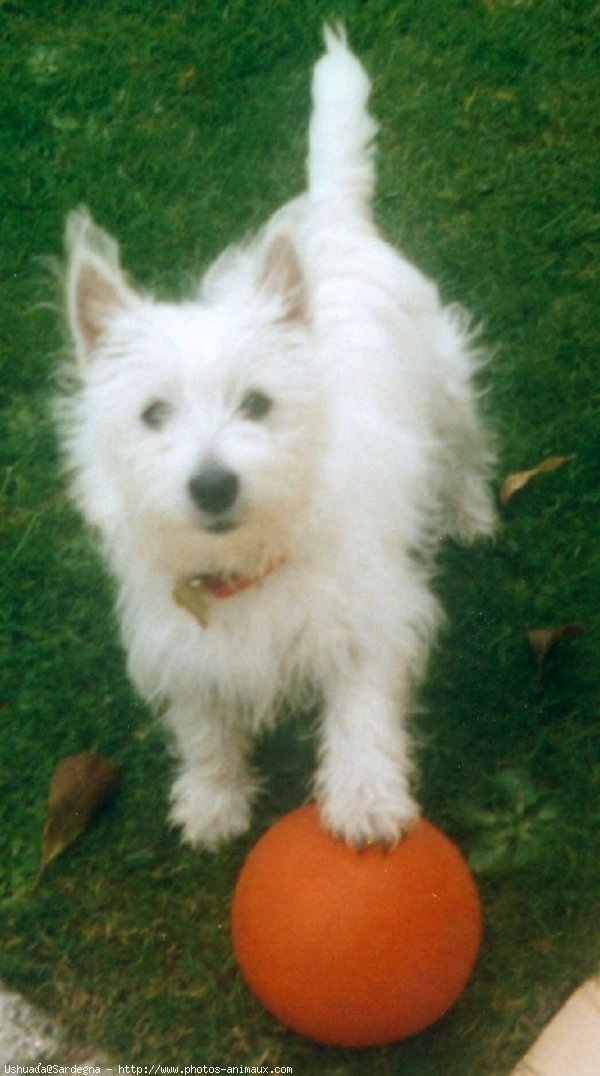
(362, 813)
(210, 812)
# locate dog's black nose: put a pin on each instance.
(214, 490)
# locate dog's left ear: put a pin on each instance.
(281, 276)
(96, 287)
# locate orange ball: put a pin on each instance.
(355, 948)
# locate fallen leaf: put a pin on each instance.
(79, 785)
(515, 482)
(542, 640)
(187, 75)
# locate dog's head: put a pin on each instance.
(195, 424)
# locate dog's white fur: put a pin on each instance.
(371, 450)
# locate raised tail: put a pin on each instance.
(341, 133)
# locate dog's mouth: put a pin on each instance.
(221, 526)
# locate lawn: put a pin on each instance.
(182, 126)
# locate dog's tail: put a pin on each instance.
(340, 142)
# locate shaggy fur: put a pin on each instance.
(303, 429)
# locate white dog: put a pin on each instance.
(270, 466)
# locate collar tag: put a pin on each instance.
(190, 594)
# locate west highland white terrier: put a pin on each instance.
(270, 466)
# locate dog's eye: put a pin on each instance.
(256, 405)
(156, 414)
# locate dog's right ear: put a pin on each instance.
(281, 277)
(96, 287)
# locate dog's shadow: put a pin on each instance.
(285, 760)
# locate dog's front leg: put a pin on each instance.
(211, 797)
(362, 783)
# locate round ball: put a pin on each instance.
(355, 948)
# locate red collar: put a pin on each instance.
(193, 591)
(226, 586)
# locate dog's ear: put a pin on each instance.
(281, 276)
(96, 287)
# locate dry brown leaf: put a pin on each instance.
(542, 640)
(79, 785)
(515, 482)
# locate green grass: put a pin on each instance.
(182, 125)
